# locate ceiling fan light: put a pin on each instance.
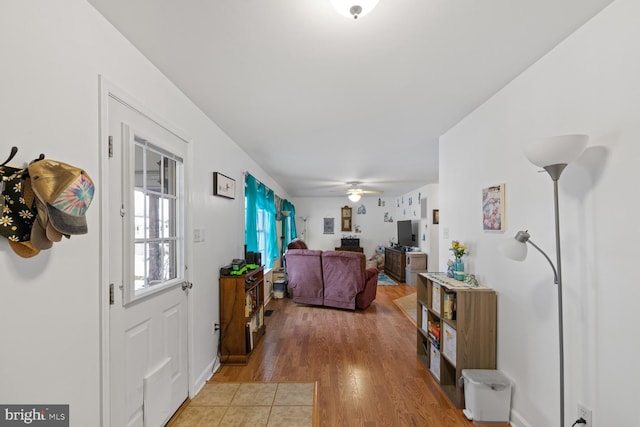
(354, 197)
(353, 9)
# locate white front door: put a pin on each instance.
(148, 378)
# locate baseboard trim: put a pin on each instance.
(517, 420)
(205, 376)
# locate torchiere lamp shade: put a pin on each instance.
(556, 149)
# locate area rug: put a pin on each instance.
(384, 280)
(408, 305)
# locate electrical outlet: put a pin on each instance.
(585, 414)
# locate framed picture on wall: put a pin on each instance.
(436, 216)
(346, 218)
(224, 186)
(328, 225)
(493, 208)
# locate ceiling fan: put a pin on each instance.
(355, 192)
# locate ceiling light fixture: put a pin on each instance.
(354, 8)
(354, 197)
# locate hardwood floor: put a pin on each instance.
(364, 362)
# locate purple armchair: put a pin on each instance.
(304, 272)
(347, 281)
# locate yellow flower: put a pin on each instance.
(458, 249)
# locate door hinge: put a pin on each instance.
(111, 297)
(110, 146)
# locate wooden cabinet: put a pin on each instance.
(241, 315)
(395, 263)
(456, 330)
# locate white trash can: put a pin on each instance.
(487, 396)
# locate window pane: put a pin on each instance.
(168, 218)
(139, 214)
(153, 171)
(153, 216)
(138, 161)
(162, 262)
(139, 264)
(155, 263)
(169, 176)
(171, 271)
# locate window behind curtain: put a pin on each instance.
(260, 220)
(261, 232)
(289, 223)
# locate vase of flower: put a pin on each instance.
(458, 250)
(458, 269)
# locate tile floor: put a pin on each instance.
(251, 404)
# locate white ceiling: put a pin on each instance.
(318, 100)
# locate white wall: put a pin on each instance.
(588, 84)
(52, 55)
(375, 231)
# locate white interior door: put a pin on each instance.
(148, 369)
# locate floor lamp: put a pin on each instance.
(553, 154)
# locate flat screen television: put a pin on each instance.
(406, 235)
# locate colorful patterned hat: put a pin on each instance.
(64, 192)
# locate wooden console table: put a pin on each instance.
(395, 263)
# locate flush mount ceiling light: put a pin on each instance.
(354, 8)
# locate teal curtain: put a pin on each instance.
(271, 233)
(289, 224)
(251, 214)
(260, 232)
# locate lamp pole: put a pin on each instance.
(553, 154)
(555, 171)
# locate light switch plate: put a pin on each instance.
(198, 235)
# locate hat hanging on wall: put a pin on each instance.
(18, 211)
(63, 193)
(42, 203)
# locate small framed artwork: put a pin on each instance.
(493, 208)
(328, 225)
(224, 186)
(436, 216)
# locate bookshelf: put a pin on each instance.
(456, 330)
(241, 315)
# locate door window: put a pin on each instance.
(155, 235)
